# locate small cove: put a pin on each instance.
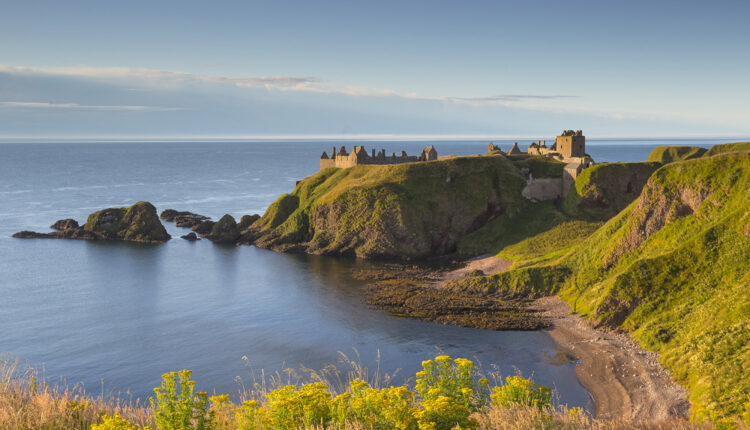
(115, 316)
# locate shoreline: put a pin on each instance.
(624, 380)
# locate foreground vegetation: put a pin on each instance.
(447, 394)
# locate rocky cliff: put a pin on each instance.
(414, 210)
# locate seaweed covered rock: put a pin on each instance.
(190, 237)
(27, 234)
(246, 221)
(183, 219)
(204, 227)
(138, 223)
(64, 224)
(224, 231)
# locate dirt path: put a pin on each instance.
(488, 264)
(625, 380)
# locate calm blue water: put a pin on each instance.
(115, 316)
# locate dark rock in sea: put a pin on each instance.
(26, 234)
(246, 221)
(203, 228)
(138, 223)
(183, 219)
(64, 224)
(190, 237)
(225, 230)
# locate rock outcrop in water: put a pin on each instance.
(246, 221)
(138, 223)
(224, 231)
(204, 227)
(183, 219)
(64, 224)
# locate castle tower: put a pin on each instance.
(571, 144)
(515, 150)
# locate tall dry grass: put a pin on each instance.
(28, 401)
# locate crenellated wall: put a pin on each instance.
(342, 159)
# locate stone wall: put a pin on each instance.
(358, 156)
(543, 189)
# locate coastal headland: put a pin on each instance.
(656, 252)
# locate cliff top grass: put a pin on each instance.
(538, 166)
(727, 147)
(668, 154)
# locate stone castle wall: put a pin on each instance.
(342, 159)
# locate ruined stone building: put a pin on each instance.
(570, 148)
(359, 155)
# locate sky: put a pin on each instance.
(377, 68)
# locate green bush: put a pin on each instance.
(519, 391)
(177, 406)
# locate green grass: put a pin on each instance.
(727, 147)
(559, 238)
(538, 166)
(669, 154)
(603, 190)
(673, 269)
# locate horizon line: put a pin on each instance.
(337, 137)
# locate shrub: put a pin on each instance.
(306, 406)
(449, 393)
(177, 406)
(385, 408)
(518, 391)
(116, 422)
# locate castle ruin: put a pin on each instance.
(570, 148)
(359, 155)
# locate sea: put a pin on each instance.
(111, 317)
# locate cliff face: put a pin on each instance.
(603, 190)
(412, 210)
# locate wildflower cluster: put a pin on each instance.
(447, 393)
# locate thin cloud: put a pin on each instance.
(136, 79)
(76, 106)
(271, 83)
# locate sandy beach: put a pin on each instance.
(625, 381)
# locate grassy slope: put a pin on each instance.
(729, 147)
(685, 290)
(673, 269)
(602, 191)
(668, 154)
